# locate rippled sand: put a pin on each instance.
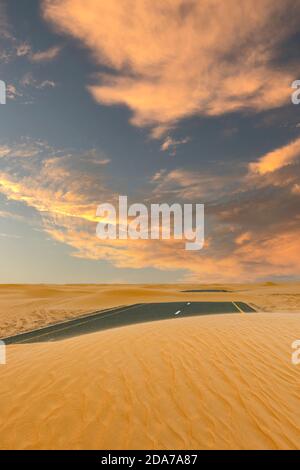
(222, 382)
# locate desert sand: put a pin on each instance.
(26, 307)
(211, 382)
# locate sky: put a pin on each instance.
(177, 101)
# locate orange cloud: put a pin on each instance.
(249, 236)
(195, 186)
(296, 189)
(243, 238)
(45, 56)
(57, 202)
(275, 254)
(277, 159)
(262, 257)
(179, 58)
(53, 185)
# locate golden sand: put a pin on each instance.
(24, 307)
(211, 382)
(224, 382)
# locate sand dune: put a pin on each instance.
(24, 307)
(221, 382)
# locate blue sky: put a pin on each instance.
(114, 102)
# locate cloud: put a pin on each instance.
(12, 215)
(189, 186)
(51, 182)
(44, 192)
(46, 55)
(273, 256)
(252, 225)
(30, 81)
(277, 159)
(181, 58)
(170, 144)
(23, 49)
(296, 188)
(4, 150)
(12, 92)
(243, 238)
(23, 149)
(9, 235)
(93, 156)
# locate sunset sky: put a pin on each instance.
(183, 101)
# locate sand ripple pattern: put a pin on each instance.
(222, 382)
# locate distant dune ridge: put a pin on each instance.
(26, 307)
(210, 382)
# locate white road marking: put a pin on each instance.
(189, 303)
(238, 307)
(81, 317)
(77, 324)
(177, 313)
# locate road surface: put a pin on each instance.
(122, 316)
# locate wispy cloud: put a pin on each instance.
(23, 49)
(12, 48)
(12, 92)
(51, 182)
(183, 58)
(277, 159)
(252, 225)
(4, 150)
(46, 55)
(187, 185)
(23, 149)
(170, 144)
(10, 235)
(30, 81)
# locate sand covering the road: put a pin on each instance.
(25, 307)
(202, 382)
(206, 382)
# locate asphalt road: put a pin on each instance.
(138, 313)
